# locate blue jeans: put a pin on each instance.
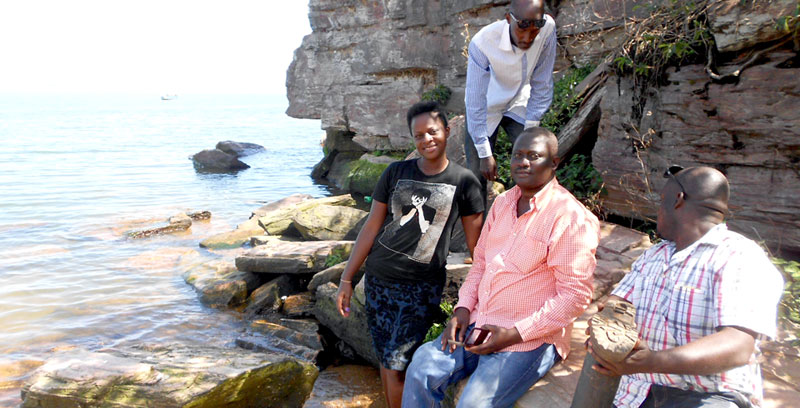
(669, 397)
(498, 379)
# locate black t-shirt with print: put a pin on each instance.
(413, 242)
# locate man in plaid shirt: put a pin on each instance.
(704, 297)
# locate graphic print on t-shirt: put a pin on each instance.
(419, 213)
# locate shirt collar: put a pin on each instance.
(540, 199)
(505, 39)
(710, 238)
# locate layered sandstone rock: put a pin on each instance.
(748, 130)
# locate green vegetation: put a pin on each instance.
(336, 257)
(565, 103)
(438, 327)
(790, 301)
(583, 181)
(363, 175)
(502, 155)
(791, 25)
(439, 93)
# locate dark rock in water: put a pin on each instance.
(215, 160)
(267, 298)
(177, 223)
(269, 344)
(200, 215)
(302, 332)
(299, 305)
(239, 149)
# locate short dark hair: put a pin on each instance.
(421, 192)
(436, 110)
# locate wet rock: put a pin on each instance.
(267, 298)
(352, 330)
(199, 215)
(176, 223)
(215, 160)
(220, 284)
(327, 222)
(170, 376)
(299, 305)
(303, 332)
(281, 257)
(235, 238)
(277, 222)
(239, 149)
(268, 344)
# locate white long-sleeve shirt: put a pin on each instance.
(503, 80)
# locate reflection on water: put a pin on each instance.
(77, 173)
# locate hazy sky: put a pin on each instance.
(147, 46)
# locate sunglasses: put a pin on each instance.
(672, 173)
(524, 24)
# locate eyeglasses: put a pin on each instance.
(524, 24)
(672, 172)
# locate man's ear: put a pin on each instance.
(680, 200)
(556, 161)
(508, 18)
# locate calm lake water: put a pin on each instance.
(77, 172)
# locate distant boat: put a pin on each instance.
(169, 97)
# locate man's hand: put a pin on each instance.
(343, 298)
(456, 328)
(500, 339)
(638, 361)
(489, 168)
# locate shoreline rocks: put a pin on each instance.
(172, 375)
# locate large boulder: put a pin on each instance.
(215, 160)
(220, 284)
(279, 220)
(327, 222)
(353, 330)
(283, 257)
(746, 129)
(239, 149)
(170, 376)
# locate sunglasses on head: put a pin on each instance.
(672, 172)
(523, 24)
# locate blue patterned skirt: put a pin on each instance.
(399, 316)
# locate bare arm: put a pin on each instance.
(472, 230)
(728, 348)
(366, 237)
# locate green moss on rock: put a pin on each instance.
(363, 176)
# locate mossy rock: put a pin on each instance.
(363, 176)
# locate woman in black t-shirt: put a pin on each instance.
(405, 242)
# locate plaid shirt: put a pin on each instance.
(533, 272)
(723, 279)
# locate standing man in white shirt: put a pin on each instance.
(509, 81)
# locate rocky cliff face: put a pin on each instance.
(367, 61)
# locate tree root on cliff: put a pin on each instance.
(734, 75)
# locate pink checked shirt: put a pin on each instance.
(723, 279)
(533, 272)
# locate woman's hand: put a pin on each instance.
(343, 298)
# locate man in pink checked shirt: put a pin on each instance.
(704, 297)
(531, 278)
